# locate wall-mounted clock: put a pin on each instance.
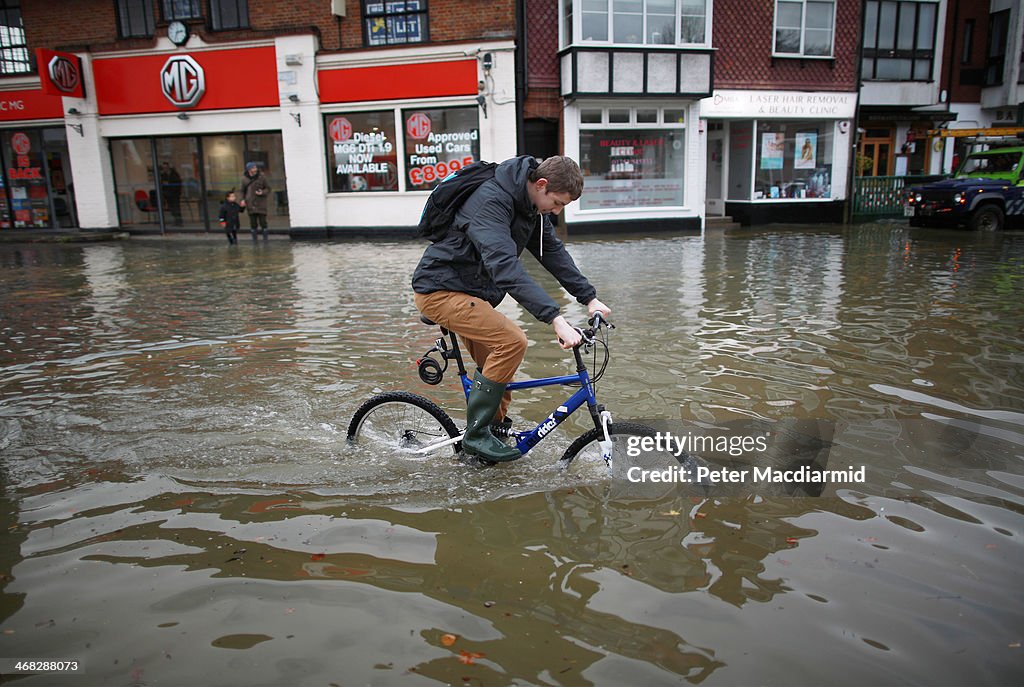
(177, 31)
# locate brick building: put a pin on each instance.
(679, 111)
(354, 108)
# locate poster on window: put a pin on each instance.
(363, 154)
(805, 155)
(773, 149)
(438, 142)
(639, 168)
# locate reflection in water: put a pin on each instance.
(177, 492)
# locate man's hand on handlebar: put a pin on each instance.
(568, 336)
(595, 306)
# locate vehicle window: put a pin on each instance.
(1001, 163)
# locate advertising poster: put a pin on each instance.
(439, 142)
(773, 147)
(805, 154)
(365, 158)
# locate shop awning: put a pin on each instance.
(963, 133)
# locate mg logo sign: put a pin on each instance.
(64, 74)
(182, 81)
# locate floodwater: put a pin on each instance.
(180, 506)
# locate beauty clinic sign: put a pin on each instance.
(782, 104)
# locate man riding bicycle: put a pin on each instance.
(462, 277)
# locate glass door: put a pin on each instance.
(137, 202)
(875, 158)
(268, 150)
(179, 182)
(223, 166)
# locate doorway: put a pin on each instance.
(875, 157)
(714, 197)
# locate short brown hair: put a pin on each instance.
(563, 175)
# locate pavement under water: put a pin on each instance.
(180, 506)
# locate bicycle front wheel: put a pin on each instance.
(586, 450)
(398, 421)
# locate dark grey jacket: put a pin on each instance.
(480, 254)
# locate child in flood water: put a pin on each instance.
(230, 211)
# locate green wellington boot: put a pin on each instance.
(483, 402)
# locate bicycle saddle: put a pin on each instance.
(427, 321)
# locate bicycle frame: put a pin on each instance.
(530, 438)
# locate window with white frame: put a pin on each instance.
(635, 22)
(899, 40)
(804, 28)
(632, 157)
(14, 54)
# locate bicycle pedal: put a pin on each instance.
(503, 429)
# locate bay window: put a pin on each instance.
(635, 22)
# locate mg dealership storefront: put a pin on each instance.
(35, 181)
(349, 142)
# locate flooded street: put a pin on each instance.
(180, 505)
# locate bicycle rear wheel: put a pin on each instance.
(399, 421)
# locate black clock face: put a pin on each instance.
(177, 32)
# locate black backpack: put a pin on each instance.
(448, 196)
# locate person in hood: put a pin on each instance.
(461, 278)
(255, 194)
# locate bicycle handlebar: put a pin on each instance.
(596, 321)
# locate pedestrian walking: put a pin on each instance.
(255, 195)
(229, 216)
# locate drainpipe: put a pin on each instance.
(520, 76)
(856, 119)
(949, 79)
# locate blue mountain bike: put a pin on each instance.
(408, 422)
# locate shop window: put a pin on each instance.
(631, 166)
(804, 28)
(998, 33)
(394, 23)
(135, 18)
(899, 40)
(361, 152)
(30, 203)
(636, 22)
(439, 142)
(229, 14)
(794, 160)
(14, 55)
(181, 9)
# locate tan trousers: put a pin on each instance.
(495, 343)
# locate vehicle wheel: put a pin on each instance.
(585, 452)
(401, 421)
(987, 218)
